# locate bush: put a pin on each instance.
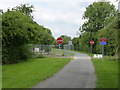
(15, 54)
(40, 56)
(37, 55)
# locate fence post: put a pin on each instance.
(103, 53)
(64, 51)
(69, 52)
(73, 47)
(40, 48)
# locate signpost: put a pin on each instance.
(70, 42)
(91, 42)
(59, 41)
(103, 42)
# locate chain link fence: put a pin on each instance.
(66, 51)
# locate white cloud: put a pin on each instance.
(57, 31)
(58, 14)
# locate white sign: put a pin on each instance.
(36, 49)
(98, 56)
(70, 42)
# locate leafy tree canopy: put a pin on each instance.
(98, 14)
(26, 9)
(18, 32)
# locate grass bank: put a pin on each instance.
(29, 73)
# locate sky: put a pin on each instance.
(62, 17)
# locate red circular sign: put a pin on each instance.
(59, 40)
(91, 42)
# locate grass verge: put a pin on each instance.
(107, 71)
(29, 73)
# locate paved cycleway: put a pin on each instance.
(78, 73)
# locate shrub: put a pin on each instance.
(40, 56)
(15, 54)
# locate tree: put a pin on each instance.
(44, 36)
(99, 15)
(26, 9)
(111, 33)
(18, 32)
(75, 42)
(84, 42)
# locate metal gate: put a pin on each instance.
(66, 51)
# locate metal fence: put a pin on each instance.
(66, 51)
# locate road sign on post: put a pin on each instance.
(103, 42)
(59, 41)
(91, 42)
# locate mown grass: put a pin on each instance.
(28, 73)
(107, 73)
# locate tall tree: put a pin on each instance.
(18, 31)
(111, 33)
(99, 15)
(75, 41)
(26, 9)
